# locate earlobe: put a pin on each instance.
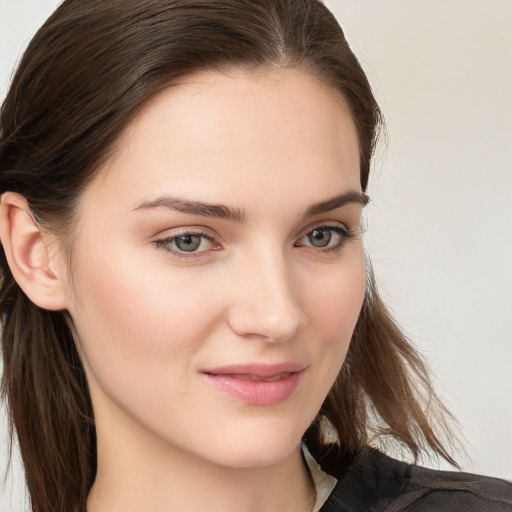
(26, 251)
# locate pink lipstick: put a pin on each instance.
(257, 384)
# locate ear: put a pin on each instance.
(26, 249)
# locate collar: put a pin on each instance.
(324, 483)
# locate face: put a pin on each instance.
(218, 269)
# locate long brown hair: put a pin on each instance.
(84, 76)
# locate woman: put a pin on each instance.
(188, 319)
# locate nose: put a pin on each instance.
(267, 302)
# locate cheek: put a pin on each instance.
(335, 306)
(333, 312)
(133, 321)
(338, 310)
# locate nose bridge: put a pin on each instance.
(268, 305)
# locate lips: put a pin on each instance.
(255, 378)
(257, 384)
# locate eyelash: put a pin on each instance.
(165, 243)
(344, 234)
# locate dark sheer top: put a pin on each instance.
(377, 483)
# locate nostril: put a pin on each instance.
(277, 325)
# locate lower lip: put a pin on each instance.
(256, 392)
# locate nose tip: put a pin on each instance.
(269, 310)
(273, 326)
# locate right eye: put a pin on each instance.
(186, 243)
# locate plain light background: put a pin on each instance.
(439, 225)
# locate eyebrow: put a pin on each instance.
(219, 211)
(225, 212)
(352, 196)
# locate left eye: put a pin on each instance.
(186, 243)
(325, 237)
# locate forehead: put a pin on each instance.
(222, 133)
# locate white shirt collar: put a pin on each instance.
(324, 483)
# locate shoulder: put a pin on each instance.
(375, 482)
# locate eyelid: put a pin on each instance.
(326, 224)
(162, 241)
(341, 229)
(186, 230)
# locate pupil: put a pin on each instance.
(320, 237)
(188, 242)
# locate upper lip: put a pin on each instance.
(259, 371)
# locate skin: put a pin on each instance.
(149, 319)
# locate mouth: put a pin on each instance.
(257, 384)
(254, 378)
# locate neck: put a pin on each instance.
(142, 473)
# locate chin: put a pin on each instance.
(259, 456)
(257, 450)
